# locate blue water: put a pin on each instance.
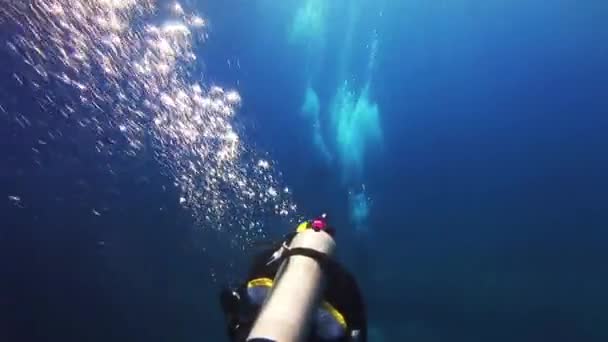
(458, 146)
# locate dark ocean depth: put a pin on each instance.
(459, 147)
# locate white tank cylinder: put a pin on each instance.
(286, 314)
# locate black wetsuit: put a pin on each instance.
(342, 292)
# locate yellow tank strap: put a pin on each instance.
(302, 227)
(267, 282)
(334, 313)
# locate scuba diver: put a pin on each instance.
(336, 310)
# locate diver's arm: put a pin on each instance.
(359, 318)
(344, 291)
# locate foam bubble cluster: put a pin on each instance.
(359, 204)
(356, 123)
(129, 63)
(309, 23)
